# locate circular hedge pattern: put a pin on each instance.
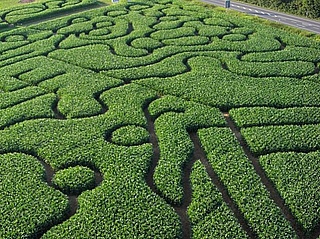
(74, 180)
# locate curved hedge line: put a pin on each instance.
(74, 180)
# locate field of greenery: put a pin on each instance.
(156, 119)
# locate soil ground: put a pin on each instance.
(26, 1)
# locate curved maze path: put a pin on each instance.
(196, 123)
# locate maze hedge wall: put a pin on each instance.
(156, 119)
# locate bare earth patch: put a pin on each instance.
(26, 1)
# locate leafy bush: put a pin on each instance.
(176, 151)
(74, 180)
(28, 204)
(235, 37)
(130, 135)
(269, 139)
(259, 69)
(288, 54)
(39, 107)
(259, 116)
(38, 10)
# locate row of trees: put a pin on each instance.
(307, 8)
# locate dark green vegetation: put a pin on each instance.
(307, 8)
(202, 124)
(74, 180)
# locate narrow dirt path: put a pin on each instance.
(274, 194)
(181, 210)
(73, 199)
(199, 154)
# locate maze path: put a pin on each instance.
(106, 70)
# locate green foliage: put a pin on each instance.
(39, 107)
(28, 204)
(146, 43)
(35, 11)
(209, 214)
(130, 135)
(258, 69)
(74, 180)
(294, 175)
(176, 118)
(235, 37)
(75, 91)
(259, 116)
(244, 186)
(269, 139)
(288, 54)
(8, 99)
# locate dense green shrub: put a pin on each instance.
(74, 180)
(269, 139)
(76, 91)
(38, 107)
(234, 37)
(176, 151)
(288, 54)
(259, 69)
(259, 116)
(38, 10)
(130, 135)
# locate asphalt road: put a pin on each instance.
(298, 22)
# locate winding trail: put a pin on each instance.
(72, 199)
(181, 210)
(198, 154)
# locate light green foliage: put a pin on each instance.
(258, 69)
(176, 118)
(288, 54)
(234, 37)
(295, 177)
(39, 107)
(209, 214)
(34, 11)
(74, 180)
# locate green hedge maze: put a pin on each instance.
(156, 119)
